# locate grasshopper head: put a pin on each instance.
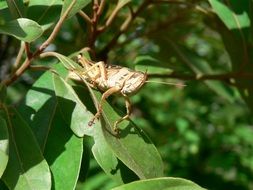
(134, 83)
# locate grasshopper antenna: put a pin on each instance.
(167, 83)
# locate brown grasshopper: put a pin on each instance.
(110, 80)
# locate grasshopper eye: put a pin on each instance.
(79, 57)
(78, 62)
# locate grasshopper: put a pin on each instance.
(110, 79)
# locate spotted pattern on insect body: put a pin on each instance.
(127, 80)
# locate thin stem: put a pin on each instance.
(42, 68)
(39, 68)
(56, 29)
(101, 7)
(123, 28)
(27, 50)
(30, 58)
(48, 54)
(19, 72)
(92, 33)
(112, 16)
(19, 57)
(85, 17)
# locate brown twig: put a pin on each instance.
(85, 17)
(101, 7)
(43, 68)
(18, 72)
(19, 57)
(123, 28)
(30, 58)
(56, 30)
(110, 19)
(27, 50)
(92, 30)
(39, 68)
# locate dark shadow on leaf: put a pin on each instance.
(3, 186)
(39, 120)
(44, 14)
(85, 165)
(124, 130)
(126, 174)
(60, 132)
(50, 125)
(14, 28)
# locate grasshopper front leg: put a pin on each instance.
(93, 70)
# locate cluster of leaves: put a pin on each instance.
(203, 131)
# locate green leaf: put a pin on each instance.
(67, 62)
(3, 5)
(132, 146)
(23, 29)
(41, 98)
(5, 15)
(233, 14)
(3, 186)
(108, 160)
(16, 8)
(80, 115)
(4, 145)
(132, 141)
(52, 129)
(71, 105)
(39, 106)
(63, 153)
(128, 146)
(79, 5)
(167, 183)
(45, 13)
(96, 182)
(238, 40)
(151, 65)
(26, 168)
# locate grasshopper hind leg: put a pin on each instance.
(128, 109)
(105, 95)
